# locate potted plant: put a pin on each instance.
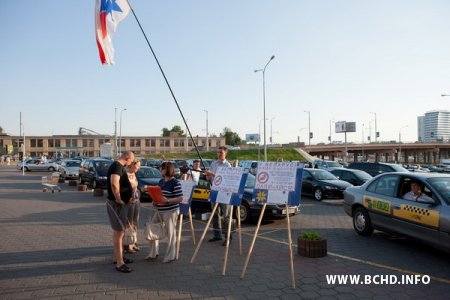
(311, 244)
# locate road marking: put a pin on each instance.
(366, 262)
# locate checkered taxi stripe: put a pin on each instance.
(417, 214)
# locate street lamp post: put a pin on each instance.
(331, 121)
(207, 133)
(376, 131)
(120, 130)
(264, 103)
(309, 126)
(271, 131)
(115, 132)
(400, 143)
(362, 143)
(259, 141)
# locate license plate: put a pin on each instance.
(292, 210)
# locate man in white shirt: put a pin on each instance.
(415, 193)
(222, 210)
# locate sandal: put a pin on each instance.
(151, 258)
(125, 260)
(124, 269)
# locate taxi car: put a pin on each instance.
(249, 210)
(379, 204)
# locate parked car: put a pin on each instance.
(155, 163)
(147, 176)
(377, 168)
(206, 162)
(322, 184)
(250, 165)
(326, 164)
(379, 204)
(70, 169)
(249, 210)
(93, 172)
(353, 176)
(37, 165)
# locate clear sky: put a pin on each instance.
(340, 60)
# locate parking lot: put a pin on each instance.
(58, 246)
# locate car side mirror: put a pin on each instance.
(425, 200)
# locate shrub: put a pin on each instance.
(310, 236)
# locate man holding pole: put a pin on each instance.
(222, 210)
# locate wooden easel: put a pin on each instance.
(256, 235)
(180, 228)
(228, 235)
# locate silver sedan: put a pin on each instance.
(383, 204)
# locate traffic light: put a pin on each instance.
(378, 134)
(310, 135)
(432, 134)
(329, 138)
(368, 138)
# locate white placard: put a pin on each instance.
(276, 176)
(186, 187)
(277, 197)
(223, 197)
(227, 179)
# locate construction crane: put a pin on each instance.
(86, 131)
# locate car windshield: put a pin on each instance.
(70, 164)
(250, 183)
(102, 167)
(398, 168)
(334, 164)
(148, 173)
(363, 175)
(442, 185)
(322, 175)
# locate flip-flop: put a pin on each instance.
(125, 260)
(124, 269)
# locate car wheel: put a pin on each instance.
(245, 212)
(318, 194)
(51, 169)
(27, 170)
(361, 222)
(81, 180)
(94, 184)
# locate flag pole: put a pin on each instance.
(168, 85)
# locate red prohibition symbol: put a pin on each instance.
(218, 180)
(263, 177)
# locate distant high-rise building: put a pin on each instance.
(434, 126)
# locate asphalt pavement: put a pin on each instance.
(59, 246)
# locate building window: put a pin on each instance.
(153, 143)
(88, 142)
(135, 142)
(103, 141)
(35, 143)
(147, 142)
(164, 143)
(71, 143)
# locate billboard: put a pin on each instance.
(343, 126)
(252, 138)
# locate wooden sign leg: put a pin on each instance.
(238, 208)
(290, 246)
(180, 227)
(253, 241)
(230, 220)
(204, 232)
(192, 225)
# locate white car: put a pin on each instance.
(37, 165)
(70, 169)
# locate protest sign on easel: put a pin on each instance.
(187, 187)
(277, 183)
(227, 188)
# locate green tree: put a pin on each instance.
(231, 138)
(176, 128)
(165, 132)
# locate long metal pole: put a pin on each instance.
(207, 132)
(264, 114)
(120, 130)
(167, 83)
